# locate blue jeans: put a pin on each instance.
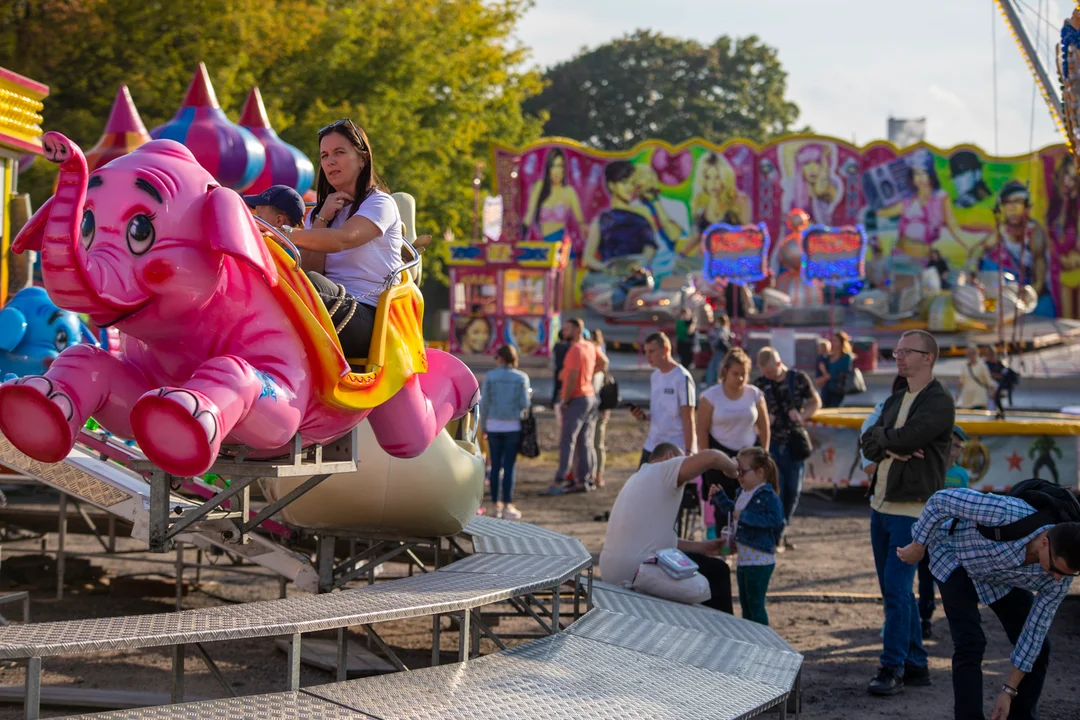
(903, 628)
(712, 372)
(790, 474)
(504, 449)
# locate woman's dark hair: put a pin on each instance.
(545, 185)
(760, 460)
(508, 355)
(366, 182)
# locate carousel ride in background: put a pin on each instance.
(199, 375)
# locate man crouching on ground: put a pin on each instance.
(1002, 575)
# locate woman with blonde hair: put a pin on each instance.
(731, 415)
(715, 197)
(838, 365)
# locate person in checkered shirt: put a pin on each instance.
(1002, 575)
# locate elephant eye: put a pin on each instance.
(140, 234)
(86, 229)
(61, 340)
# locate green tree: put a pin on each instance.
(647, 85)
(432, 81)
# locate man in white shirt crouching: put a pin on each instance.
(643, 518)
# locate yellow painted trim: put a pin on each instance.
(973, 422)
(757, 147)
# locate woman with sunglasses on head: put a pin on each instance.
(353, 237)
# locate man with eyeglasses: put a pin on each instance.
(909, 443)
(971, 568)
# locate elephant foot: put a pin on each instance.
(450, 386)
(178, 430)
(38, 417)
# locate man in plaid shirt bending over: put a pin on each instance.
(971, 568)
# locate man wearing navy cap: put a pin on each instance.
(278, 205)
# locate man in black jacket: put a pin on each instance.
(910, 444)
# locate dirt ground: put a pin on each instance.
(822, 601)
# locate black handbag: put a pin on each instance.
(609, 394)
(799, 445)
(530, 444)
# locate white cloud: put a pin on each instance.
(945, 97)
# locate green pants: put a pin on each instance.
(753, 581)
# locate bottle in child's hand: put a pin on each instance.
(725, 538)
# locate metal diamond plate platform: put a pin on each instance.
(558, 677)
(515, 565)
(409, 597)
(690, 647)
(279, 706)
(490, 535)
(690, 617)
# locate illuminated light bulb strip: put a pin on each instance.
(1056, 111)
(1068, 67)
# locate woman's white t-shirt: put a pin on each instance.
(733, 420)
(975, 384)
(363, 270)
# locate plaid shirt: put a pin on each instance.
(995, 568)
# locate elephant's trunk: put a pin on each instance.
(63, 270)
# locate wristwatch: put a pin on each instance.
(286, 230)
(1010, 691)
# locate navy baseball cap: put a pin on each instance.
(282, 197)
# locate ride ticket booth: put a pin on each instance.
(20, 134)
(505, 293)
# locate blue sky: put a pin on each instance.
(851, 63)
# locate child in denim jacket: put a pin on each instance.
(759, 523)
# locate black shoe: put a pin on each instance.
(916, 676)
(886, 683)
(927, 632)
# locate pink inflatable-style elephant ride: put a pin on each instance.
(151, 245)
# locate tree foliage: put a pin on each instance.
(432, 81)
(647, 85)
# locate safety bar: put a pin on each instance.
(281, 238)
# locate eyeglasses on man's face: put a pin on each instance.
(906, 352)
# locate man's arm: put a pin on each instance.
(870, 421)
(1030, 642)
(922, 428)
(698, 463)
(813, 400)
(689, 430)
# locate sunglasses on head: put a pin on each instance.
(344, 122)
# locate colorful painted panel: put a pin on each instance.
(650, 205)
(833, 255)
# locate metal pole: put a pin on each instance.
(436, 640)
(178, 674)
(32, 702)
(294, 662)
(342, 654)
(61, 542)
(476, 200)
(463, 635)
(1042, 77)
(179, 576)
(556, 624)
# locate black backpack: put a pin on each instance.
(1053, 504)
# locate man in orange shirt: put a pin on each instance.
(580, 410)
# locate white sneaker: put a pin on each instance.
(511, 513)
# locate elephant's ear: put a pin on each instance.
(229, 228)
(12, 328)
(29, 238)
